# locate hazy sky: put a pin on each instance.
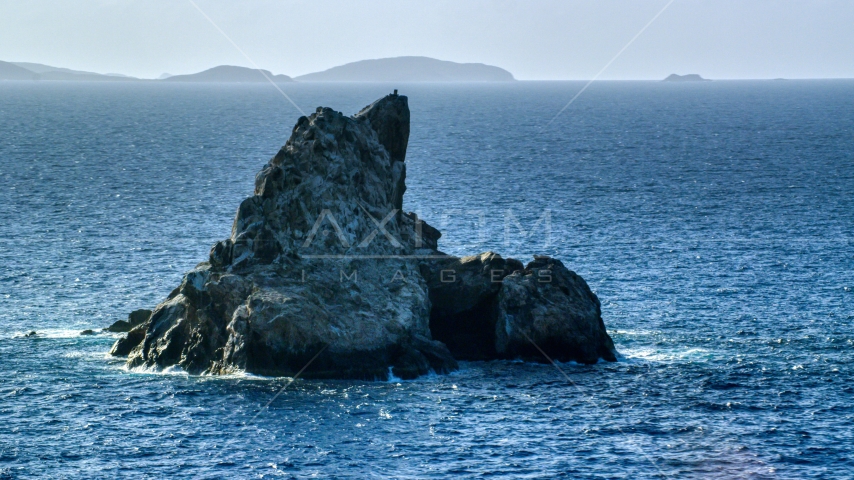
(534, 39)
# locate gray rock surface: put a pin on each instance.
(550, 307)
(324, 275)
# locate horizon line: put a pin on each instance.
(128, 78)
(118, 75)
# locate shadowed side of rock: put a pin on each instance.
(463, 293)
(136, 318)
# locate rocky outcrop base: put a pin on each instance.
(486, 307)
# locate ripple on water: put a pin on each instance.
(727, 292)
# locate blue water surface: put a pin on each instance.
(714, 220)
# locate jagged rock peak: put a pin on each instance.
(389, 117)
(328, 188)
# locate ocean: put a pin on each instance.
(714, 220)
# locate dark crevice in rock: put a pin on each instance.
(469, 334)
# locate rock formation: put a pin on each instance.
(323, 268)
(486, 307)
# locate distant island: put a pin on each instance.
(409, 69)
(10, 71)
(222, 73)
(691, 77)
(398, 69)
(46, 72)
(230, 74)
